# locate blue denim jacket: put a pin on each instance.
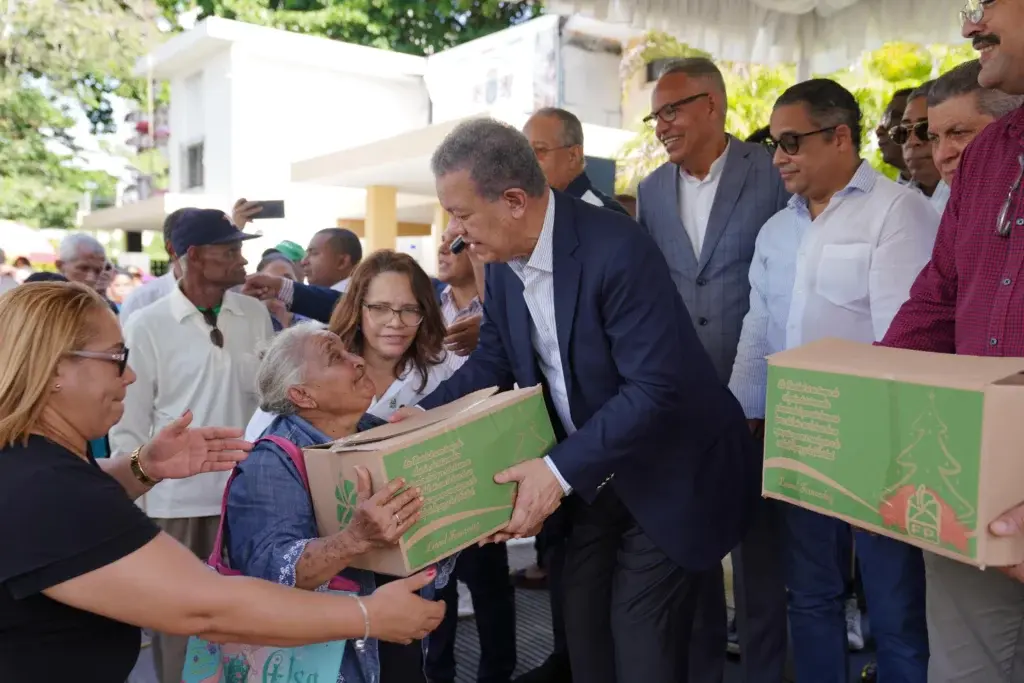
(270, 520)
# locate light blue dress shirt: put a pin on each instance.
(844, 274)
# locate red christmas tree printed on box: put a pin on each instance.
(924, 502)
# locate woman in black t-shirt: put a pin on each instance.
(82, 567)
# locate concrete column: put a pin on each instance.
(437, 228)
(381, 226)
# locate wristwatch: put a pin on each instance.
(137, 470)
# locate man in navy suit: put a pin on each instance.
(654, 463)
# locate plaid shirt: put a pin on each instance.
(969, 299)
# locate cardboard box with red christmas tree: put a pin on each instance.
(925, 448)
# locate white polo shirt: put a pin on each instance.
(179, 368)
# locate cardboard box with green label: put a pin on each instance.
(452, 453)
(926, 448)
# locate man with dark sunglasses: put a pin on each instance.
(970, 300)
(892, 151)
(837, 262)
(912, 134)
(194, 349)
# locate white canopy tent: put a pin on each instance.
(820, 36)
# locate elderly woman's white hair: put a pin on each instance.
(281, 366)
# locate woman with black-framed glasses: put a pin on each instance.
(83, 567)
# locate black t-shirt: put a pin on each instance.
(61, 517)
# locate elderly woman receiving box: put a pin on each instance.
(319, 392)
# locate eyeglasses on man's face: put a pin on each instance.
(669, 111)
(901, 134)
(974, 11)
(790, 142)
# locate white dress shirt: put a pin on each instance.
(341, 286)
(940, 197)
(140, 297)
(538, 278)
(844, 274)
(590, 198)
(178, 368)
(696, 197)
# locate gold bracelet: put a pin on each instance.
(137, 470)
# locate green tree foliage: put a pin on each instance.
(410, 26)
(58, 57)
(753, 90)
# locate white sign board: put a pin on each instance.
(514, 71)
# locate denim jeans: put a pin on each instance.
(817, 566)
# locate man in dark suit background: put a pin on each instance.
(556, 136)
(704, 208)
(652, 444)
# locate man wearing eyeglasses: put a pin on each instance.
(969, 300)
(704, 209)
(556, 136)
(912, 134)
(194, 349)
(837, 262)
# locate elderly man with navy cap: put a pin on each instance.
(194, 349)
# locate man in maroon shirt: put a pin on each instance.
(970, 300)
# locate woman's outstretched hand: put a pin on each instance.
(398, 615)
(177, 452)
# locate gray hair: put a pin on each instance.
(699, 67)
(497, 156)
(963, 80)
(75, 244)
(572, 128)
(920, 91)
(282, 366)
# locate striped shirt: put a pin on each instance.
(537, 274)
(451, 313)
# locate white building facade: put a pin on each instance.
(254, 109)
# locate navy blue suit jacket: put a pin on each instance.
(642, 390)
(318, 302)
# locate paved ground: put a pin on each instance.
(533, 635)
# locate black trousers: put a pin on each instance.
(629, 609)
(484, 570)
(759, 586)
(551, 544)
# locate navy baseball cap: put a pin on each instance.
(202, 227)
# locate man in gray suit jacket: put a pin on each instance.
(704, 209)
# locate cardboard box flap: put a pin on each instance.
(840, 356)
(371, 438)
